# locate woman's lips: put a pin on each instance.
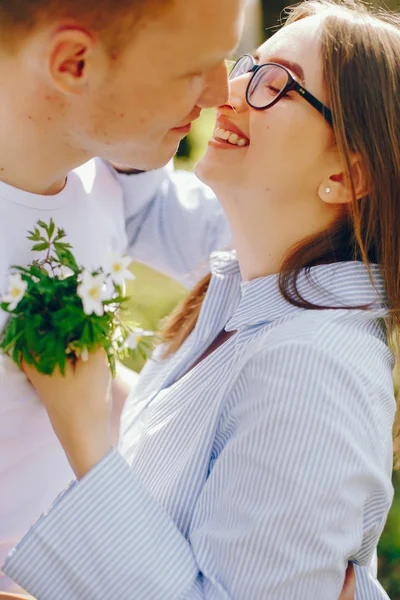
(227, 135)
(222, 145)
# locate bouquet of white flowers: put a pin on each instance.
(59, 311)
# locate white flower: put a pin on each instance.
(65, 272)
(16, 290)
(120, 270)
(85, 354)
(134, 339)
(92, 292)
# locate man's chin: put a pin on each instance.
(151, 160)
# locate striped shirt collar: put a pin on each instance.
(334, 285)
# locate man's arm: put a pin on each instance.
(174, 222)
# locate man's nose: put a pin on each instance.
(216, 89)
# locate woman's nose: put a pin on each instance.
(237, 94)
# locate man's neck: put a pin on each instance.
(34, 156)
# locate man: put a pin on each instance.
(118, 80)
(122, 80)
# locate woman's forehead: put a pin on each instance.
(298, 37)
(298, 42)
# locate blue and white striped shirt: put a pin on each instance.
(257, 475)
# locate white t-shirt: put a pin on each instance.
(33, 466)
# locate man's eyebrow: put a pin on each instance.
(289, 64)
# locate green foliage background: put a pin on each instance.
(155, 296)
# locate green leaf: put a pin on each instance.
(51, 228)
(34, 235)
(16, 356)
(66, 257)
(64, 245)
(60, 234)
(112, 363)
(37, 272)
(23, 270)
(27, 356)
(85, 337)
(40, 247)
(43, 225)
(60, 356)
(30, 335)
(11, 344)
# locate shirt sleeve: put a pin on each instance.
(279, 516)
(174, 222)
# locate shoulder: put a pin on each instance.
(349, 335)
(337, 356)
(307, 392)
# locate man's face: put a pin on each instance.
(139, 111)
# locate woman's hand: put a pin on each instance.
(79, 406)
(349, 587)
(5, 596)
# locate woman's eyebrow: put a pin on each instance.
(289, 64)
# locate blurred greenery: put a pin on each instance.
(154, 296)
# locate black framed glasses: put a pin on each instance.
(270, 82)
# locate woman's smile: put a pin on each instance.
(228, 136)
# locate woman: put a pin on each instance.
(257, 450)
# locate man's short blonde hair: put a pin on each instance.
(111, 20)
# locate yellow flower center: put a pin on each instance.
(94, 293)
(117, 267)
(15, 292)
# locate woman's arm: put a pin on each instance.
(279, 516)
(122, 386)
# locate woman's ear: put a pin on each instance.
(337, 188)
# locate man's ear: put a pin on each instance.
(72, 56)
(337, 188)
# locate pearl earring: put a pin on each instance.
(328, 190)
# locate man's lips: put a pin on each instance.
(183, 129)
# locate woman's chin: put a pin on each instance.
(211, 170)
(201, 169)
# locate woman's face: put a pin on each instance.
(289, 149)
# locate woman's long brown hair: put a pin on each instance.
(361, 58)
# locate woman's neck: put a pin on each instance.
(266, 229)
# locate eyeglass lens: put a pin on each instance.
(242, 66)
(267, 83)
